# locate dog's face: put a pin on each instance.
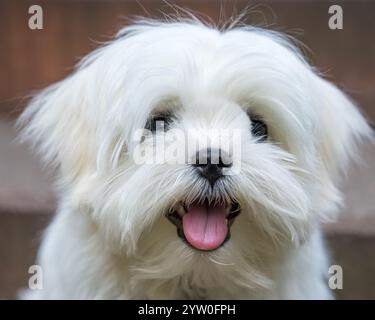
(264, 139)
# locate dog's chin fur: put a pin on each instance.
(111, 238)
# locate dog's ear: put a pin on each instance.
(342, 128)
(57, 122)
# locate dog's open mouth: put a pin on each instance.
(204, 226)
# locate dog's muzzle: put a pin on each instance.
(204, 226)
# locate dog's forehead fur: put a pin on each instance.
(188, 61)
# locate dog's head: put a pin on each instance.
(263, 140)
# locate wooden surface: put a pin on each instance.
(31, 59)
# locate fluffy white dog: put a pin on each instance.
(233, 223)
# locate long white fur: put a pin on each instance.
(110, 238)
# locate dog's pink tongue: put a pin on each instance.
(205, 228)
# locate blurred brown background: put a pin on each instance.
(32, 59)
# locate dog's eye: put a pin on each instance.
(259, 129)
(159, 122)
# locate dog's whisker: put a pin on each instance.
(219, 263)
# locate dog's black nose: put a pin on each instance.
(211, 163)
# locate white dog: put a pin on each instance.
(203, 229)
